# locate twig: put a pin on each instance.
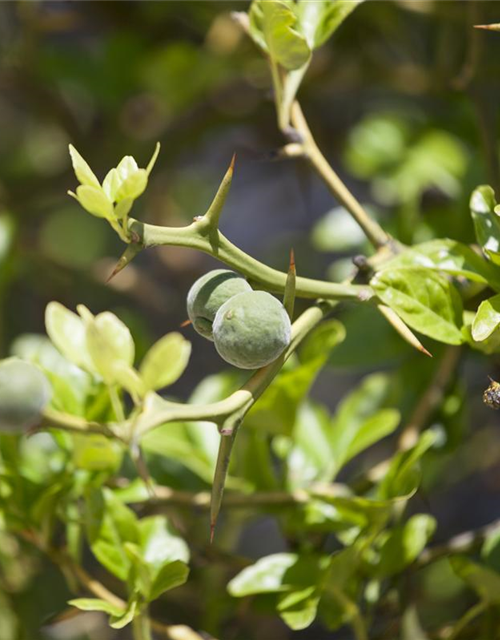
(373, 231)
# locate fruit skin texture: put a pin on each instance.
(251, 330)
(24, 393)
(209, 293)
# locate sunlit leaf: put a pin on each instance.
(95, 201)
(83, 172)
(165, 362)
(487, 319)
(424, 299)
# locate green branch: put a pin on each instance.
(207, 238)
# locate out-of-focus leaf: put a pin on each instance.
(337, 230)
(96, 453)
(424, 299)
(110, 524)
(486, 221)
(487, 319)
(277, 408)
(411, 628)
(96, 604)
(171, 575)
(109, 342)
(67, 332)
(278, 572)
(404, 544)
(319, 20)
(165, 362)
(273, 26)
(484, 581)
(360, 421)
(298, 609)
(83, 172)
(403, 476)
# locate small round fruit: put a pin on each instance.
(251, 330)
(208, 293)
(24, 393)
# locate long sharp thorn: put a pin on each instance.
(220, 475)
(488, 27)
(186, 323)
(128, 255)
(214, 211)
(404, 331)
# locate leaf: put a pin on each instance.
(486, 222)
(109, 342)
(96, 604)
(403, 476)
(357, 423)
(83, 172)
(272, 26)
(111, 184)
(165, 362)
(404, 544)
(159, 544)
(96, 453)
(109, 525)
(126, 167)
(277, 409)
(448, 256)
(320, 19)
(299, 608)
(484, 581)
(487, 319)
(425, 300)
(278, 572)
(68, 334)
(95, 201)
(171, 575)
(133, 186)
(118, 622)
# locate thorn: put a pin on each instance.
(186, 323)
(292, 261)
(424, 351)
(128, 255)
(211, 217)
(233, 160)
(404, 331)
(488, 27)
(212, 532)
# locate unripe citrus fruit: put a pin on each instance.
(251, 330)
(208, 293)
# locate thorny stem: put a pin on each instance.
(198, 235)
(373, 231)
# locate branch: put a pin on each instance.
(373, 231)
(207, 238)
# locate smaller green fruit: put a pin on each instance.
(251, 330)
(24, 393)
(209, 293)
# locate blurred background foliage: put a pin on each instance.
(404, 103)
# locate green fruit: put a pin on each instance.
(209, 293)
(251, 330)
(24, 393)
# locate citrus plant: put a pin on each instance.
(97, 457)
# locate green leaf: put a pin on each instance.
(165, 362)
(133, 186)
(95, 201)
(109, 525)
(278, 572)
(96, 604)
(68, 334)
(171, 575)
(484, 581)
(403, 476)
(320, 19)
(486, 222)
(487, 319)
(118, 622)
(126, 167)
(96, 453)
(272, 26)
(109, 343)
(111, 184)
(404, 544)
(448, 256)
(277, 409)
(83, 172)
(298, 609)
(357, 423)
(158, 542)
(424, 299)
